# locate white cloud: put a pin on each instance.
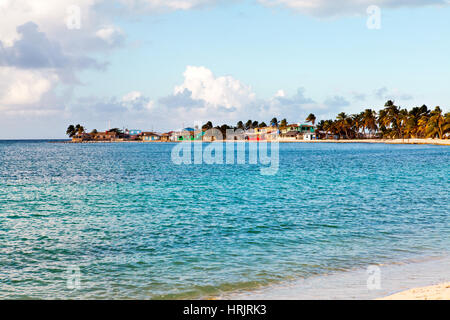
(280, 93)
(205, 97)
(157, 5)
(385, 94)
(40, 55)
(132, 96)
(338, 7)
(112, 35)
(22, 88)
(222, 91)
(49, 15)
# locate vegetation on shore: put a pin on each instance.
(391, 122)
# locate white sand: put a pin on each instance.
(445, 142)
(437, 292)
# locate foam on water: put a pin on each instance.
(138, 226)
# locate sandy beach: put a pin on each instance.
(444, 142)
(436, 292)
(410, 279)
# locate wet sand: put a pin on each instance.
(395, 282)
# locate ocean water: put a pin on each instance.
(121, 221)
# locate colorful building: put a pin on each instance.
(262, 134)
(298, 131)
(150, 136)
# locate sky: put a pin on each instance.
(162, 65)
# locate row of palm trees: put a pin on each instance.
(390, 122)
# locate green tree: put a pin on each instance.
(274, 122)
(311, 118)
(116, 130)
(207, 126)
(446, 128)
(436, 124)
(369, 121)
(71, 132)
(344, 123)
(79, 129)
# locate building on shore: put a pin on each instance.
(298, 132)
(133, 132)
(186, 134)
(105, 136)
(262, 134)
(150, 136)
(82, 137)
(165, 137)
(267, 133)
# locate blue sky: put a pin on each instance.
(162, 67)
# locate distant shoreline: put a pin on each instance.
(441, 142)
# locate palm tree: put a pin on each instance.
(330, 126)
(436, 123)
(320, 127)
(274, 122)
(357, 123)
(283, 123)
(311, 118)
(421, 129)
(446, 127)
(383, 122)
(248, 124)
(207, 126)
(79, 129)
(413, 128)
(343, 123)
(240, 125)
(392, 119)
(71, 131)
(369, 118)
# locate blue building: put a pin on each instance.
(133, 132)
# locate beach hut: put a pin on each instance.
(150, 137)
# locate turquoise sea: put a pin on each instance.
(137, 226)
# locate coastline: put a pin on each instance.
(441, 142)
(436, 292)
(420, 278)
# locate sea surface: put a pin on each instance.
(122, 221)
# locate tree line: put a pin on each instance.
(391, 122)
